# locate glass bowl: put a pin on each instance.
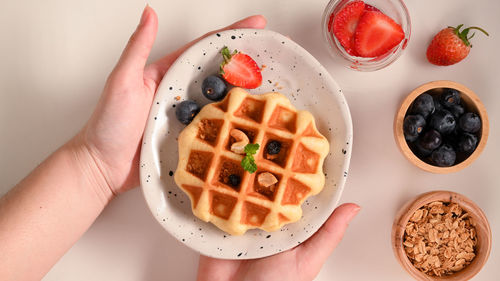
(395, 9)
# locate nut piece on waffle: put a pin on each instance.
(210, 155)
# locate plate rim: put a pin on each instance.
(149, 129)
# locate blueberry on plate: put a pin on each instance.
(413, 125)
(443, 121)
(444, 156)
(234, 180)
(450, 97)
(430, 140)
(186, 111)
(457, 110)
(470, 122)
(273, 147)
(467, 143)
(214, 88)
(423, 105)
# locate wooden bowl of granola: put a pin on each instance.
(441, 235)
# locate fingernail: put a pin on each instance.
(143, 17)
(354, 212)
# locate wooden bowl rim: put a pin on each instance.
(403, 145)
(404, 214)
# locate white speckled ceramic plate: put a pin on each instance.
(290, 70)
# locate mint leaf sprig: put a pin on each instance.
(248, 162)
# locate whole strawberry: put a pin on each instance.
(451, 45)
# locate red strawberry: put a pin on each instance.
(240, 70)
(330, 23)
(371, 8)
(330, 20)
(450, 45)
(345, 22)
(376, 34)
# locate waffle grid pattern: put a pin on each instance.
(205, 162)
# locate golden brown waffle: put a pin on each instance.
(206, 161)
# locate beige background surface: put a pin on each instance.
(55, 56)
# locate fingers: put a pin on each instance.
(256, 21)
(156, 70)
(216, 269)
(317, 248)
(136, 53)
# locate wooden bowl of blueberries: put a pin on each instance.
(441, 127)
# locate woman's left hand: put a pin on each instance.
(113, 135)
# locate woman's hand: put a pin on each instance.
(113, 135)
(46, 213)
(300, 263)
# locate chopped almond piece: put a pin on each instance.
(267, 179)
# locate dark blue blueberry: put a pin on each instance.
(470, 122)
(430, 140)
(450, 97)
(437, 103)
(186, 111)
(413, 125)
(467, 143)
(214, 88)
(444, 156)
(453, 137)
(234, 180)
(420, 151)
(273, 147)
(457, 110)
(423, 105)
(443, 121)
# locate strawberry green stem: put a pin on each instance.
(480, 29)
(226, 56)
(463, 35)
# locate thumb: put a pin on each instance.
(136, 53)
(317, 248)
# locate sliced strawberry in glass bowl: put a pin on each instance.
(366, 35)
(376, 34)
(345, 23)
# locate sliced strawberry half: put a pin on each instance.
(330, 23)
(376, 34)
(369, 7)
(345, 23)
(240, 70)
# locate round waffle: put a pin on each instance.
(206, 162)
